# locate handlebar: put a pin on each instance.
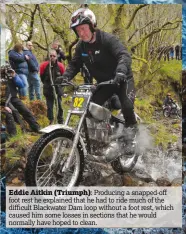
(76, 87)
(108, 82)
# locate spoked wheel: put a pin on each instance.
(166, 112)
(47, 161)
(124, 164)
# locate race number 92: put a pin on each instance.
(78, 102)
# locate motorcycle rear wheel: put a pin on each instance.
(179, 114)
(47, 159)
(124, 164)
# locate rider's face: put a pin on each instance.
(84, 32)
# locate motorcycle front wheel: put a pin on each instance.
(46, 163)
(166, 112)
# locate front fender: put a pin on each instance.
(54, 127)
(51, 128)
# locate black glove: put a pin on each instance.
(119, 78)
(60, 79)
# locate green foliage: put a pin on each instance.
(172, 70)
(17, 145)
(42, 120)
(144, 109)
(161, 134)
(176, 126)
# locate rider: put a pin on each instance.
(106, 59)
(168, 102)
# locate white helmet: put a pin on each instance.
(83, 16)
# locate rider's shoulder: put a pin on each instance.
(106, 36)
(108, 39)
(79, 45)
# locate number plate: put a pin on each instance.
(79, 102)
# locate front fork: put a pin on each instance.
(75, 141)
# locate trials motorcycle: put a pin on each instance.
(59, 156)
(174, 110)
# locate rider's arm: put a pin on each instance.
(74, 65)
(119, 52)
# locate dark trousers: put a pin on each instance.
(50, 105)
(26, 113)
(177, 55)
(10, 123)
(126, 95)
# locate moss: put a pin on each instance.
(42, 121)
(176, 126)
(144, 109)
(172, 69)
(16, 146)
(161, 135)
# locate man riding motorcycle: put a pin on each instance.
(106, 59)
(168, 102)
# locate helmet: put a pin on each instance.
(83, 16)
(169, 94)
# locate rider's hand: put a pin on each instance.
(119, 78)
(59, 80)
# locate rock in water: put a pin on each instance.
(176, 182)
(141, 174)
(163, 181)
(111, 180)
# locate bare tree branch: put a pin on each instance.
(134, 14)
(156, 30)
(130, 38)
(19, 12)
(67, 9)
(39, 45)
(31, 28)
(57, 29)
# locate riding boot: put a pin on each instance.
(130, 134)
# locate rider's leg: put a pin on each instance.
(101, 95)
(115, 102)
(127, 95)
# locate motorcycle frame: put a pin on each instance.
(82, 122)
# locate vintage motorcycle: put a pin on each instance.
(174, 110)
(59, 156)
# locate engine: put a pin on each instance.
(99, 130)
